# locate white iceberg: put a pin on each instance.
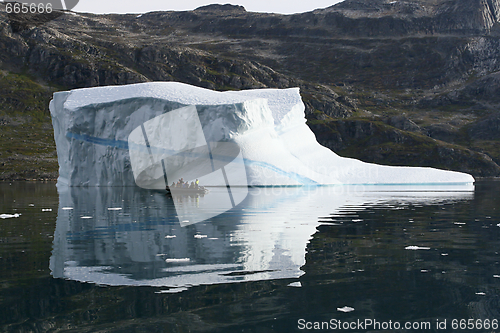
(102, 135)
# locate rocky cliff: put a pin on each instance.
(395, 82)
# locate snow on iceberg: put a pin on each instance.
(150, 134)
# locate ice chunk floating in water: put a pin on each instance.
(345, 309)
(146, 133)
(9, 216)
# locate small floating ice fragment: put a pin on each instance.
(444, 254)
(413, 247)
(32, 205)
(67, 208)
(481, 293)
(459, 223)
(86, 217)
(424, 270)
(170, 236)
(177, 260)
(9, 216)
(200, 236)
(46, 209)
(345, 309)
(357, 220)
(295, 284)
(171, 291)
(496, 276)
(114, 208)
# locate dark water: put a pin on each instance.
(285, 260)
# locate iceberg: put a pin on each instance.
(152, 134)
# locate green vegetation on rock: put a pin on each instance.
(27, 147)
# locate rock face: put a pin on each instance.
(423, 67)
(486, 129)
(416, 17)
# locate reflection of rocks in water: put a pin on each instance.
(129, 236)
(56, 304)
(486, 308)
(403, 260)
(387, 282)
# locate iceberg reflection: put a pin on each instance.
(131, 236)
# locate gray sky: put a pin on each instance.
(134, 6)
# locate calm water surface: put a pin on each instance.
(286, 259)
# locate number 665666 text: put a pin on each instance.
(28, 8)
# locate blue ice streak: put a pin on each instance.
(121, 144)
